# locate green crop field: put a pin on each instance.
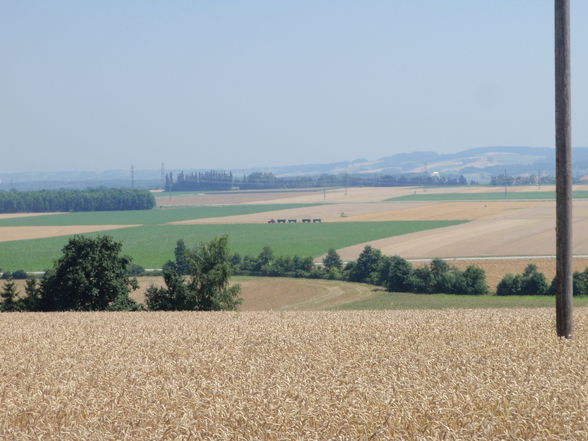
(395, 300)
(494, 196)
(144, 217)
(151, 245)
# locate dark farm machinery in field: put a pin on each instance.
(294, 221)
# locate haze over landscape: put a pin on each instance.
(236, 85)
(279, 220)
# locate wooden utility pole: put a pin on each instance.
(563, 164)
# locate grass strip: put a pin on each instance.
(401, 301)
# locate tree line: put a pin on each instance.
(92, 199)
(92, 275)
(392, 272)
(219, 180)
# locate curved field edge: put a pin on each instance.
(152, 245)
(434, 375)
(280, 293)
(402, 301)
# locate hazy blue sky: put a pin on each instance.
(228, 84)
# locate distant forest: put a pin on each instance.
(95, 199)
(220, 180)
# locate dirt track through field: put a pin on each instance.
(23, 233)
(282, 294)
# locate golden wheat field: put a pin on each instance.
(427, 375)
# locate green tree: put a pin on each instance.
(475, 279)
(32, 299)
(91, 275)
(510, 285)
(206, 288)
(366, 266)
(533, 281)
(530, 282)
(395, 274)
(180, 254)
(9, 294)
(332, 260)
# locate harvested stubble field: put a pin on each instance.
(412, 375)
(496, 269)
(527, 231)
(300, 196)
(280, 293)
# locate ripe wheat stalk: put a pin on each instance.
(386, 375)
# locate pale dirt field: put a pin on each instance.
(327, 213)
(370, 375)
(16, 215)
(524, 232)
(22, 233)
(282, 294)
(312, 196)
(280, 197)
(498, 189)
(377, 212)
(337, 195)
(496, 269)
(351, 194)
(439, 211)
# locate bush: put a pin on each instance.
(580, 284)
(510, 285)
(135, 270)
(440, 277)
(19, 274)
(531, 282)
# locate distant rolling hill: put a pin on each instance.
(478, 163)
